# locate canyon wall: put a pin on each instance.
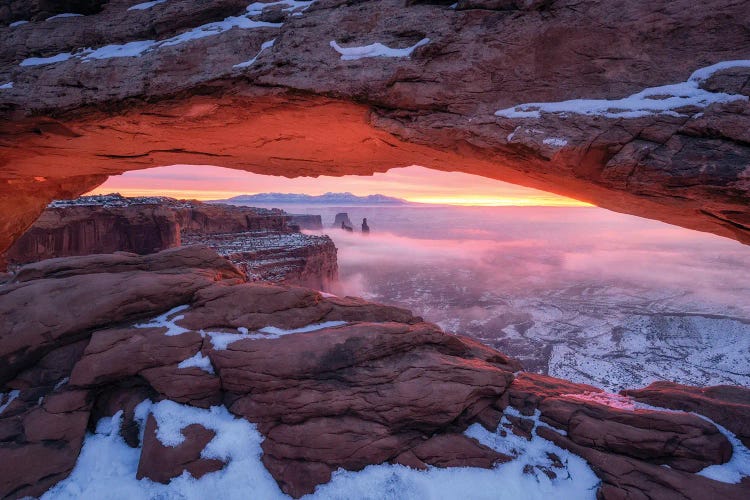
(639, 107)
(111, 223)
(82, 230)
(206, 218)
(260, 241)
(306, 221)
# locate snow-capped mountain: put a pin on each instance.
(334, 199)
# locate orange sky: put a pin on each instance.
(414, 183)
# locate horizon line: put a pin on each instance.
(480, 201)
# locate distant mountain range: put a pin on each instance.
(335, 199)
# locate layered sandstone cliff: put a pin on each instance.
(281, 257)
(68, 230)
(329, 383)
(262, 242)
(306, 221)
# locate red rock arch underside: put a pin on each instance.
(303, 136)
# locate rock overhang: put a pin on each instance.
(413, 83)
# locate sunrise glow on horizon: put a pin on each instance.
(415, 184)
(489, 201)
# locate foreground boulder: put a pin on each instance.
(358, 375)
(624, 477)
(601, 421)
(71, 297)
(329, 382)
(368, 385)
(161, 463)
(627, 445)
(726, 405)
(41, 433)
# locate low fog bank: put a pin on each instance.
(517, 250)
(584, 293)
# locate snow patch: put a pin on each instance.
(513, 134)
(140, 414)
(221, 340)
(7, 399)
(374, 50)
(36, 61)
(17, 23)
(130, 49)
(555, 141)
(211, 29)
(574, 480)
(106, 467)
(257, 8)
(536, 418)
(703, 74)
(116, 200)
(61, 383)
(61, 16)
(274, 332)
(167, 320)
(738, 466)
(8, 85)
(139, 47)
(146, 5)
(664, 99)
(172, 417)
(198, 361)
(264, 46)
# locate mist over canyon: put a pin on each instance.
(578, 293)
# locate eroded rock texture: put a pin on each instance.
(330, 383)
(627, 445)
(726, 405)
(117, 89)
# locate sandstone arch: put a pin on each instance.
(300, 109)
